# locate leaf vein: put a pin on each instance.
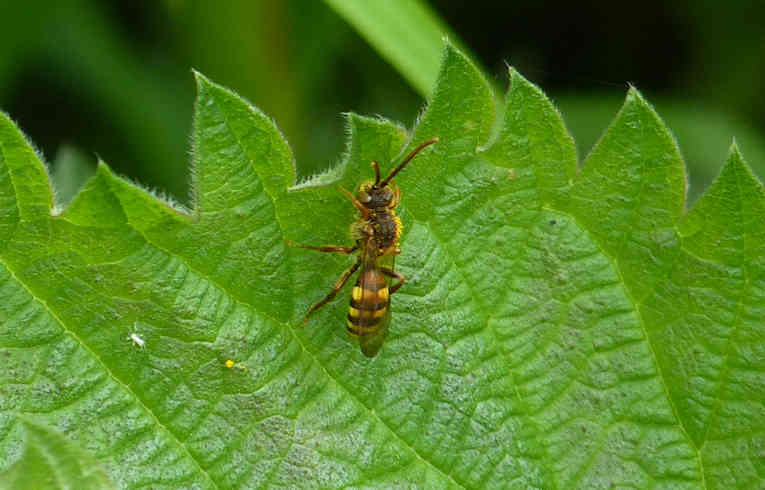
(106, 369)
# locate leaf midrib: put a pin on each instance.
(724, 369)
(371, 413)
(637, 306)
(476, 298)
(287, 327)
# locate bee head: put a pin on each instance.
(381, 193)
(373, 195)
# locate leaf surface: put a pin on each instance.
(558, 328)
(51, 461)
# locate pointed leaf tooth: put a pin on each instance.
(227, 128)
(705, 323)
(533, 137)
(372, 138)
(95, 204)
(23, 177)
(461, 114)
(630, 193)
(242, 166)
(725, 224)
(144, 210)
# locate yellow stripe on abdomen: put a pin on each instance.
(364, 316)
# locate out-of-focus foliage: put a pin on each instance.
(101, 76)
(405, 32)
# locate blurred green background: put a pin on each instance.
(113, 79)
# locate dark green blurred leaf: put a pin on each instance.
(405, 32)
(71, 169)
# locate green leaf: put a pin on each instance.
(558, 329)
(717, 325)
(407, 33)
(702, 133)
(51, 461)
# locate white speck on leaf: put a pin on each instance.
(137, 340)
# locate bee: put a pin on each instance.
(376, 234)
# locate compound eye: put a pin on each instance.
(363, 196)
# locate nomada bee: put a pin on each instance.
(376, 234)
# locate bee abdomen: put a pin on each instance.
(368, 307)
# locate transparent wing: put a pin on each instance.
(373, 338)
(372, 342)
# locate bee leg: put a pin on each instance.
(395, 275)
(337, 287)
(326, 248)
(356, 203)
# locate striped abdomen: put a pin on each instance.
(369, 303)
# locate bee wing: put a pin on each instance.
(372, 342)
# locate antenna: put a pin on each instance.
(377, 171)
(405, 162)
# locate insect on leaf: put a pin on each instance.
(558, 328)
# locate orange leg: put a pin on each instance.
(337, 287)
(356, 203)
(326, 248)
(395, 275)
